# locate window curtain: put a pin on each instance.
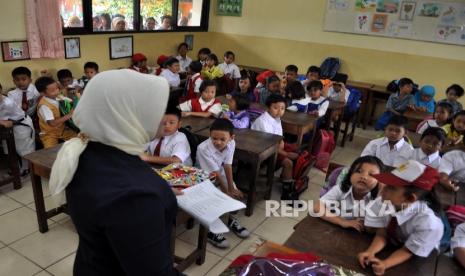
(43, 28)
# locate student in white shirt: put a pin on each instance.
(11, 115)
(171, 72)
(299, 97)
(431, 143)
(170, 146)
(413, 224)
(184, 60)
(318, 104)
(338, 92)
(457, 244)
(388, 148)
(452, 169)
(25, 95)
(357, 186)
(205, 106)
(229, 68)
(442, 116)
(215, 155)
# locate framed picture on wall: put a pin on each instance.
(189, 40)
(72, 47)
(229, 7)
(121, 47)
(15, 50)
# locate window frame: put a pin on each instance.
(88, 30)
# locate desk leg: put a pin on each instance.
(39, 201)
(252, 193)
(363, 108)
(337, 127)
(202, 244)
(270, 168)
(369, 109)
(13, 160)
(300, 137)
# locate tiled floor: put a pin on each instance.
(25, 251)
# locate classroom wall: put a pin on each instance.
(93, 47)
(274, 33)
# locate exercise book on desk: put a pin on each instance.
(207, 204)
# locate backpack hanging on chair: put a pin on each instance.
(324, 146)
(330, 67)
(302, 166)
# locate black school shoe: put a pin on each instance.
(217, 240)
(237, 228)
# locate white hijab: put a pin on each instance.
(120, 108)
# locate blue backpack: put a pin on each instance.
(353, 103)
(330, 67)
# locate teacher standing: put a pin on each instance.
(123, 212)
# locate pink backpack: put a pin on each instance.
(323, 147)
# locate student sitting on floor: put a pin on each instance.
(270, 122)
(451, 169)
(431, 143)
(237, 114)
(318, 104)
(170, 146)
(457, 244)
(357, 185)
(272, 87)
(298, 95)
(245, 88)
(51, 122)
(388, 148)
(215, 155)
(397, 103)
(456, 129)
(229, 68)
(442, 116)
(11, 115)
(453, 93)
(211, 70)
(171, 72)
(414, 226)
(194, 80)
(25, 95)
(205, 106)
(90, 70)
(424, 99)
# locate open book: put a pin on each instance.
(206, 204)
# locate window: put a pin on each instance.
(71, 12)
(105, 16)
(189, 13)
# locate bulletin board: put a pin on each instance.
(436, 21)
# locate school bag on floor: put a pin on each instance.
(299, 174)
(330, 67)
(323, 147)
(193, 140)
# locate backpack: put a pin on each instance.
(335, 178)
(193, 140)
(353, 103)
(254, 113)
(299, 174)
(324, 146)
(330, 67)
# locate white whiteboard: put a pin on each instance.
(436, 21)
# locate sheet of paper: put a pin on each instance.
(206, 203)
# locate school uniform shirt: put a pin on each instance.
(45, 112)
(380, 148)
(32, 96)
(173, 78)
(268, 124)
(453, 164)
(419, 228)
(458, 240)
(212, 160)
(321, 104)
(240, 119)
(400, 105)
(417, 154)
(456, 106)
(336, 96)
(452, 134)
(215, 109)
(175, 144)
(183, 63)
(197, 83)
(351, 206)
(9, 110)
(299, 105)
(427, 124)
(231, 69)
(83, 82)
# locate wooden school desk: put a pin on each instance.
(13, 163)
(376, 92)
(415, 117)
(364, 88)
(333, 107)
(254, 147)
(341, 246)
(41, 163)
(196, 124)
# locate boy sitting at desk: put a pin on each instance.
(215, 155)
(171, 72)
(205, 106)
(270, 122)
(170, 146)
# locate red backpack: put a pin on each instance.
(299, 174)
(323, 148)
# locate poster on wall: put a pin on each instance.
(15, 50)
(379, 23)
(429, 10)
(448, 33)
(229, 7)
(339, 4)
(365, 5)
(121, 47)
(407, 10)
(449, 15)
(400, 29)
(387, 6)
(72, 47)
(362, 24)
